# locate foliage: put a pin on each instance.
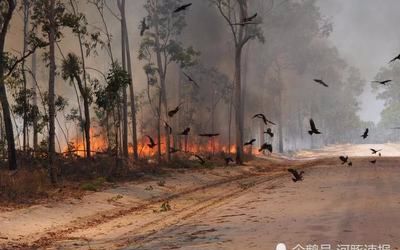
(108, 97)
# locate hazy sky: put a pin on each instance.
(367, 34)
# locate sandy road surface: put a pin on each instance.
(251, 207)
(333, 205)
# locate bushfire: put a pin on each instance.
(99, 144)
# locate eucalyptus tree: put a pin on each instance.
(72, 70)
(244, 29)
(160, 47)
(8, 63)
(49, 17)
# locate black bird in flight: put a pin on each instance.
(374, 151)
(380, 154)
(167, 126)
(251, 142)
(249, 19)
(190, 79)
(151, 143)
(171, 113)
(297, 176)
(373, 161)
(394, 59)
(182, 8)
(344, 159)
(202, 161)
(266, 146)
(265, 120)
(314, 129)
(365, 135)
(228, 160)
(143, 26)
(269, 132)
(321, 82)
(210, 135)
(382, 82)
(186, 131)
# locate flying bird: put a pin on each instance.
(374, 151)
(151, 143)
(251, 142)
(380, 154)
(269, 132)
(167, 126)
(210, 135)
(265, 120)
(266, 146)
(202, 161)
(297, 176)
(182, 8)
(344, 159)
(249, 19)
(365, 135)
(321, 82)
(228, 160)
(143, 26)
(382, 82)
(314, 129)
(190, 79)
(171, 113)
(186, 131)
(373, 161)
(394, 59)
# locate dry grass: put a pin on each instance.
(31, 183)
(24, 185)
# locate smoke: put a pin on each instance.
(364, 37)
(367, 36)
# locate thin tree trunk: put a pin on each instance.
(12, 159)
(163, 91)
(84, 94)
(230, 123)
(238, 107)
(35, 118)
(25, 45)
(124, 94)
(131, 90)
(51, 104)
(86, 109)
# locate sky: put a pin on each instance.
(367, 35)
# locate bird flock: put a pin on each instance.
(296, 175)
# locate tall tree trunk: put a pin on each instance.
(163, 91)
(35, 118)
(86, 110)
(238, 106)
(51, 97)
(131, 90)
(84, 94)
(124, 94)
(25, 47)
(230, 122)
(12, 159)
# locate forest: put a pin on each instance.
(89, 90)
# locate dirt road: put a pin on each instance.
(334, 205)
(253, 207)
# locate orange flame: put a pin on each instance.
(199, 145)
